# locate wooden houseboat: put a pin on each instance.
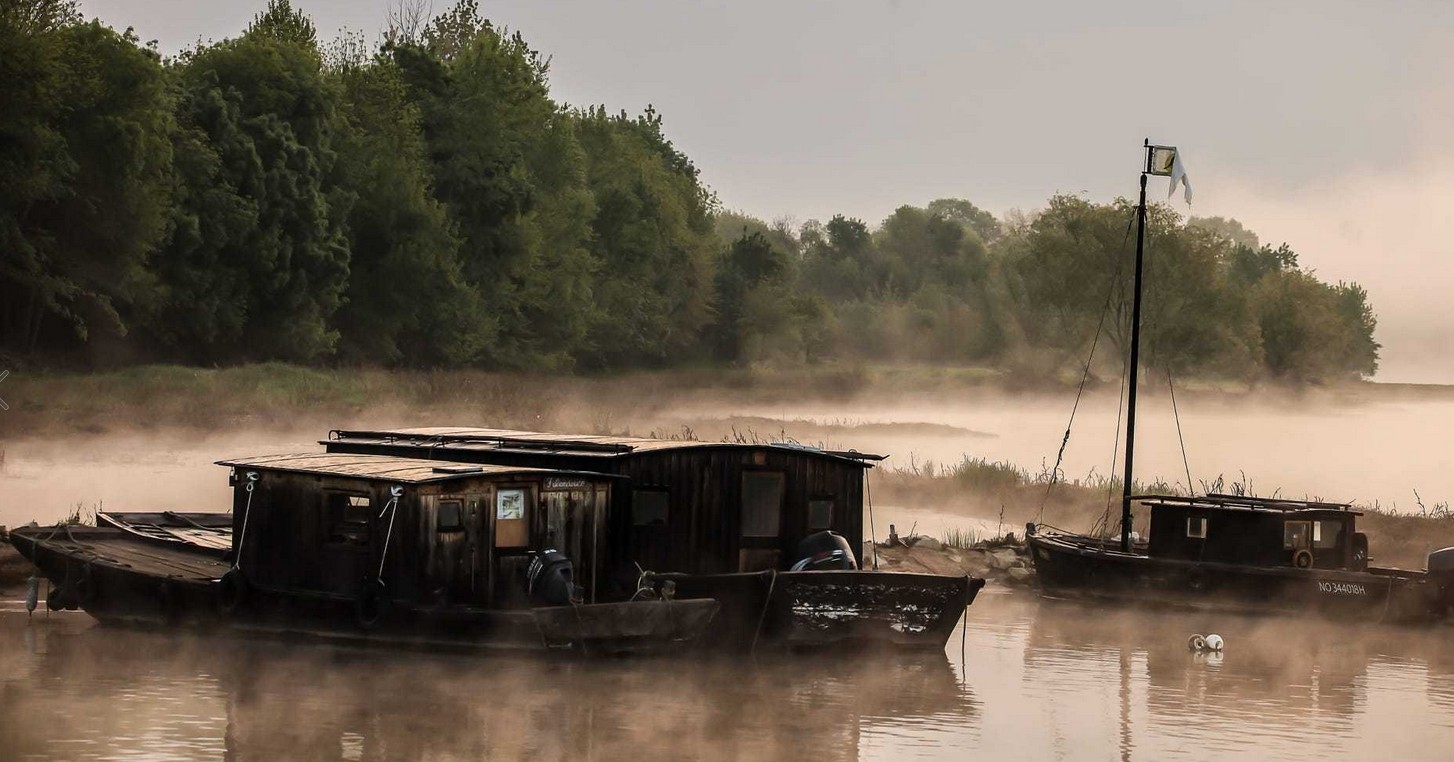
(382, 548)
(728, 521)
(1261, 554)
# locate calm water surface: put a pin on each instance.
(1041, 680)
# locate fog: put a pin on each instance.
(1370, 445)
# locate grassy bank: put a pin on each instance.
(150, 397)
(164, 396)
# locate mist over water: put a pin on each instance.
(1374, 448)
(1041, 680)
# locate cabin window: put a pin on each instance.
(512, 528)
(1326, 534)
(762, 503)
(820, 514)
(348, 517)
(1196, 528)
(649, 507)
(449, 516)
(1296, 534)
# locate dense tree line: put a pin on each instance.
(425, 202)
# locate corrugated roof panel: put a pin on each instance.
(576, 444)
(383, 467)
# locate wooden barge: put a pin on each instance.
(1258, 554)
(379, 548)
(728, 521)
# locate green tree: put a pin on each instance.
(972, 218)
(653, 240)
(84, 172)
(407, 300)
(258, 260)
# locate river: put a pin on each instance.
(1039, 680)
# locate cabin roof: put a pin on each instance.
(589, 446)
(385, 467)
(1219, 502)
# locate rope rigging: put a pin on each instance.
(1085, 373)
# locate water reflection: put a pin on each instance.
(1043, 680)
(87, 691)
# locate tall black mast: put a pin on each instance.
(1135, 357)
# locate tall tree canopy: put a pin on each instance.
(426, 202)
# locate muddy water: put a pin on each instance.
(1040, 680)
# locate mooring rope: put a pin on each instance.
(872, 533)
(246, 514)
(391, 508)
(1085, 373)
(1190, 490)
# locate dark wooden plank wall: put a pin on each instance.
(705, 492)
(286, 542)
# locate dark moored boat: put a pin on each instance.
(377, 548)
(1246, 552)
(1260, 553)
(771, 531)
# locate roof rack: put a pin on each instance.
(1220, 500)
(516, 443)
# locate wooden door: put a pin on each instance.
(574, 520)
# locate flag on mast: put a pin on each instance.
(1166, 161)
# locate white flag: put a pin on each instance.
(1178, 175)
(1166, 161)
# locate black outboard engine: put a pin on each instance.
(1441, 573)
(550, 579)
(825, 551)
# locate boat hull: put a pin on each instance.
(839, 609)
(120, 578)
(1066, 566)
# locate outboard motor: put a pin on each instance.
(550, 578)
(825, 551)
(1360, 552)
(1441, 573)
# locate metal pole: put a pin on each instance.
(1135, 358)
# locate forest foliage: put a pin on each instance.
(424, 202)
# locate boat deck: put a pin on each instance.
(116, 548)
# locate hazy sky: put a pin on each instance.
(1324, 124)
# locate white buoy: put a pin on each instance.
(1196, 643)
(1214, 642)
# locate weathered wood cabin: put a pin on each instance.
(692, 507)
(1257, 531)
(437, 534)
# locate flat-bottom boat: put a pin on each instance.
(1249, 553)
(118, 577)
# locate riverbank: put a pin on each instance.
(275, 394)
